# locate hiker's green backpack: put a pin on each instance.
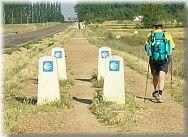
(158, 48)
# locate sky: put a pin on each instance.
(68, 10)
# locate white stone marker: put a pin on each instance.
(114, 80)
(59, 54)
(48, 82)
(104, 52)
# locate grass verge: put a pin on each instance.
(112, 114)
(20, 70)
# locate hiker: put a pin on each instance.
(79, 25)
(159, 46)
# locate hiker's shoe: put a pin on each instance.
(159, 98)
(154, 94)
(157, 95)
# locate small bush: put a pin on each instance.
(98, 83)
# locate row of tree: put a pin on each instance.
(97, 12)
(32, 13)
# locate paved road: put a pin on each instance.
(17, 39)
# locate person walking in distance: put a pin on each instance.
(79, 25)
(159, 46)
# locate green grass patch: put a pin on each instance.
(113, 114)
(97, 83)
(64, 83)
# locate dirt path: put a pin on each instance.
(81, 61)
(166, 117)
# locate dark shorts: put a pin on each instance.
(159, 66)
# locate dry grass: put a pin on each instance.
(20, 71)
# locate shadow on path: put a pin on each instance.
(26, 100)
(85, 80)
(34, 80)
(85, 101)
(149, 99)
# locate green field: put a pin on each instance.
(23, 28)
(133, 46)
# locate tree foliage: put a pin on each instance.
(32, 13)
(92, 12)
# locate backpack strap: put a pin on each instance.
(164, 35)
(152, 37)
(152, 40)
(165, 40)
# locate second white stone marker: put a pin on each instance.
(114, 80)
(59, 54)
(48, 83)
(104, 52)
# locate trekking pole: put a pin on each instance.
(171, 71)
(146, 83)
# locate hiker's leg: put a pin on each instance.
(161, 80)
(155, 82)
(154, 72)
(162, 74)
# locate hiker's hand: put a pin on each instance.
(173, 48)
